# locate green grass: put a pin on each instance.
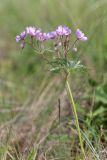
(29, 93)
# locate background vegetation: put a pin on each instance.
(29, 122)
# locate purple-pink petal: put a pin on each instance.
(31, 31)
(63, 31)
(41, 36)
(84, 38)
(18, 38)
(52, 35)
(21, 36)
(80, 35)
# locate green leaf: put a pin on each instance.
(58, 62)
(100, 95)
(61, 63)
(99, 111)
(32, 155)
(74, 65)
(55, 70)
(47, 50)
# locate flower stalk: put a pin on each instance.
(76, 117)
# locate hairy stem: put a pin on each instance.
(76, 117)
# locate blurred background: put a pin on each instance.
(29, 93)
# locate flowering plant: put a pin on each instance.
(61, 45)
(61, 40)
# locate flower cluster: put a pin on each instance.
(60, 36)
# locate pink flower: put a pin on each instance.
(21, 36)
(31, 31)
(52, 35)
(63, 31)
(41, 36)
(80, 35)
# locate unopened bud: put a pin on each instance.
(74, 49)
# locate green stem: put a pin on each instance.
(76, 117)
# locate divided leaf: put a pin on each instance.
(59, 64)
